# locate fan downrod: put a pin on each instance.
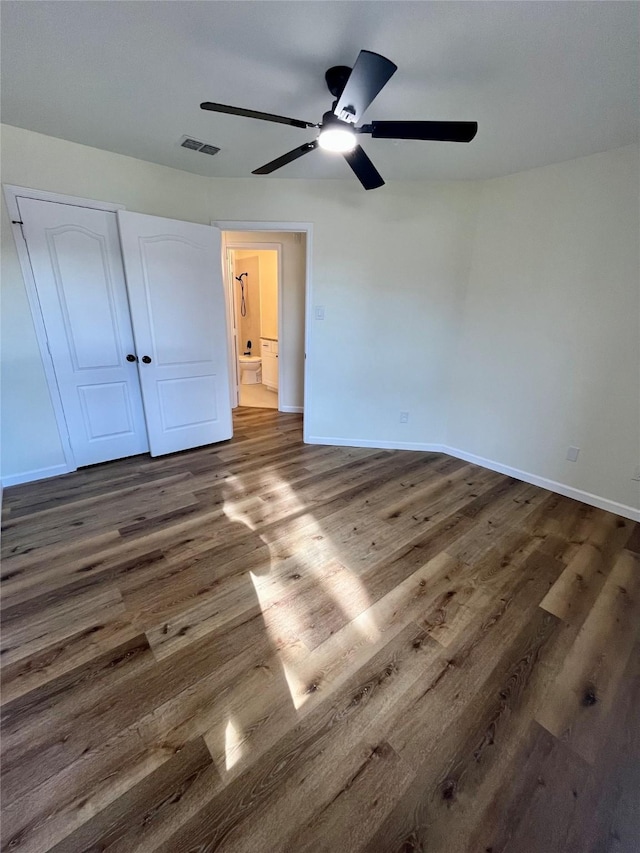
(336, 78)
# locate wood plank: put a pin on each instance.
(578, 704)
(577, 588)
(131, 817)
(308, 766)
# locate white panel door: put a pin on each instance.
(77, 266)
(174, 278)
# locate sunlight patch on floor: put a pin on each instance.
(297, 687)
(282, 609)
(233, 744)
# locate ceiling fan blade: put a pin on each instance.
(286, 158)
(368, 76)
(239, 111)
(440, 131)
(363, 168)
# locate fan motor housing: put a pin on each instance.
(336, 78)
(331, 120)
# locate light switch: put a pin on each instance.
(319, 312)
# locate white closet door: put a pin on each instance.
(174, 279)
(77, 266)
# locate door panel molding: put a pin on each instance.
(64, 302)
(84, 392)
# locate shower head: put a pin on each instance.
(240, 277)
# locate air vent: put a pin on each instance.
(195, 145)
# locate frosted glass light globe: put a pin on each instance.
(337, 139)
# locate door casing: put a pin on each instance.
(307, 229)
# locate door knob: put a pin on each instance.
(146, 359)
(132, 357)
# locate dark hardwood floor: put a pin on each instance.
(264, 646)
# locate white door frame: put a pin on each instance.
(302, 227)
(232, 326)
(261, 247)
(11, 194)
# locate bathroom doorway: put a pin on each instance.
(293, 243)
(254, 277)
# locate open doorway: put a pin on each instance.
(266, 274)
(255, 280)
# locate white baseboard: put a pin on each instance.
(297, 410)
(535, 480)
(37, 474)
(381, 445)
(552, 485)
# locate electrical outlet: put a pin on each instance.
(404, 417)
(572, 454)
(636, 474)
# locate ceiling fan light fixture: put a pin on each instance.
(354, 90)
(337, 139)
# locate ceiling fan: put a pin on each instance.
(354, 89)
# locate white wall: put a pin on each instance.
(549, 344)
(388, 268)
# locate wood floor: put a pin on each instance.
(265, 646)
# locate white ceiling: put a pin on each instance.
(547, 81)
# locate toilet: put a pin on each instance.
(250, 369)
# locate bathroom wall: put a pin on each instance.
(249, 325)
(268, 293)
(268, 286)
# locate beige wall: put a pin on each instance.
(268, 293)
(249, 325)
(268, 285)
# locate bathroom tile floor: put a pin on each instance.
(258, 396)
